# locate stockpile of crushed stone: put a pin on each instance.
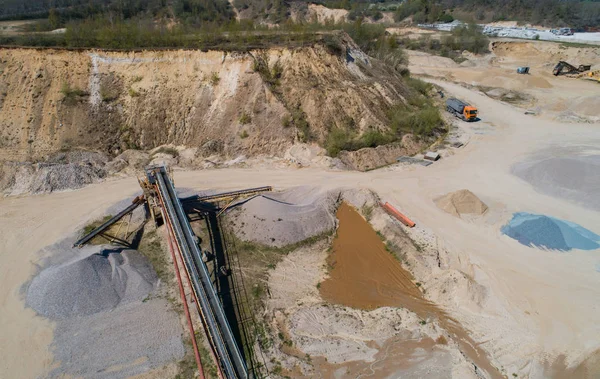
(110, 318)
(284, 218)
(574, 177)
(461, 202)
(550, 233)
(95, 283)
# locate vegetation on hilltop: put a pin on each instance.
(552, 13)
(451, 45)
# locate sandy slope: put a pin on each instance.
(536, 304)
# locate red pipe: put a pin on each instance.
(185, 306)
(212, 353)
(170, 237)
(182, 294)
(389, 208)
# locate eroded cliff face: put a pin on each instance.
(53, 100)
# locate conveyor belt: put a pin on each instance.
(221, 337)
(88, 237)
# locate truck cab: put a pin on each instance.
(470, 113)
(461, 110)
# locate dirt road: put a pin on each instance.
(536, 304)
(561, 98)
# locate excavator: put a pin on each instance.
(564, 68)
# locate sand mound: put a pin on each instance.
(93, 284)
(461, 202)
(549, 232)
(286, 217)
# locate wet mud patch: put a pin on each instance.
(364, 275)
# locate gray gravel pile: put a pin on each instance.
(126, 341)
(284, 218)
(572, 174)
(111, 319)
(95, 283)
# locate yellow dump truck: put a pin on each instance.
(461, 110)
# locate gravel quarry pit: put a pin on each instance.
(532, 310)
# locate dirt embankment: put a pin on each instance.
(113, 101)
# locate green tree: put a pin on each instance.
(54, 18)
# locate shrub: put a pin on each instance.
(107, 94)
(245, 118)
(270, 75)
(133, 93)
(214, 78)
(244, 134)
(71, 94)
(421, 122)
(374, 138)
(333, 44)
(337, 140)
(419, 85)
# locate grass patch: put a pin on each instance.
(187, 366)
(214, 78)
(245, 118)
(244, 134)
(343, 139)
(133, 93)
(419, 85)
(151, 248)
(108, 94)
(269, 74)
(451, 45)
(93, 225)
(423, 122)
(367, 211)
(577, 45)
(419, 116)
(70, 94)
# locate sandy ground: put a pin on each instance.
(556, 98)
(538, 305)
